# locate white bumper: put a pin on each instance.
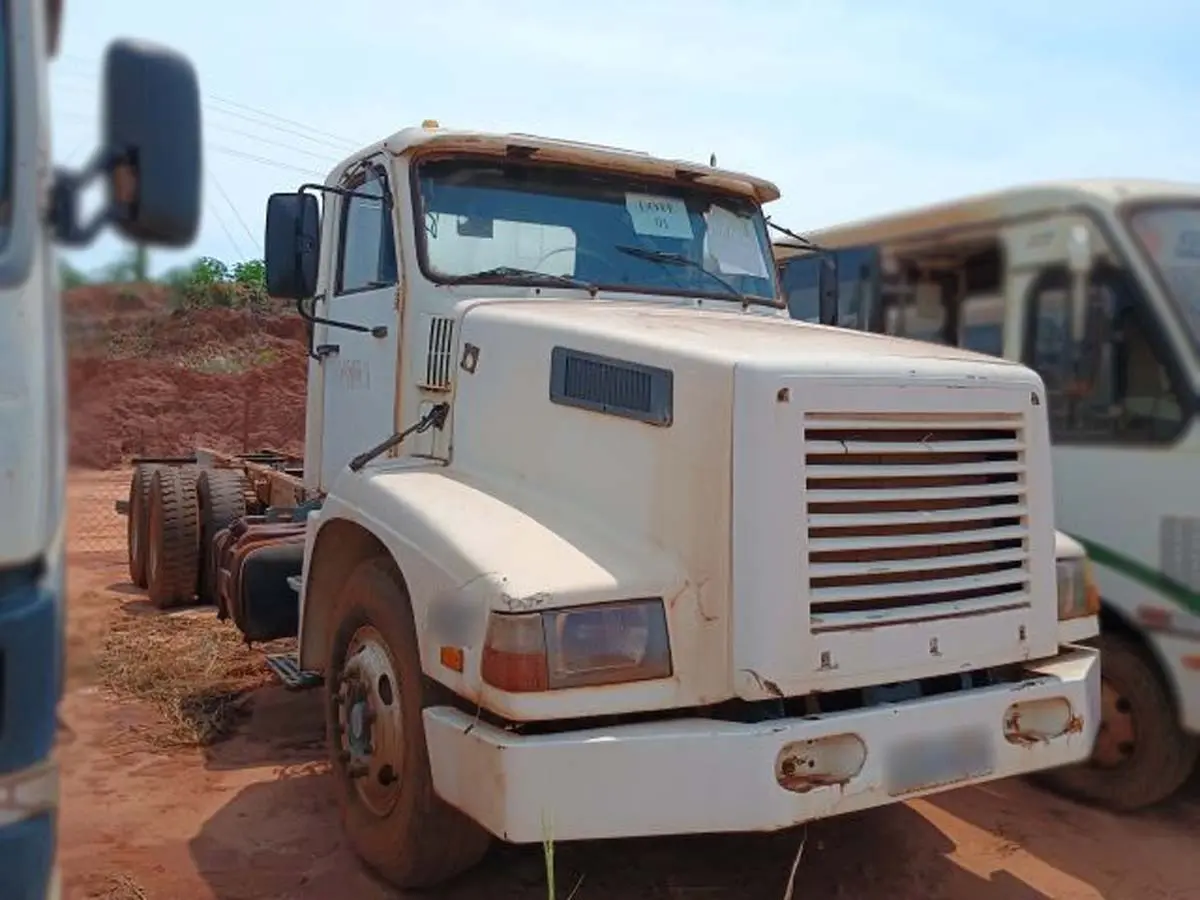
(702, 775)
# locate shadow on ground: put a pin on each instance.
(283, 838)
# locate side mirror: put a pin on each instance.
(152, 131)
(827, 288)
(151, 155)
(293, 244)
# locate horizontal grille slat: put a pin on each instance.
(912, 513)
(851, 448)
(821, 570)
(1011, 532)
(1004, 578)
(915, 516)
(835, 495)
(923, 469)
(843, 621)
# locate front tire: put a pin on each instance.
(1142, 756)
(374, 694)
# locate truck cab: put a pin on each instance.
(598, 520)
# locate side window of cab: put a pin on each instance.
(367, 245)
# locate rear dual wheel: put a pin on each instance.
(173, 537)
(138, 522)
(374, 696)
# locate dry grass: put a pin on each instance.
(195, 669)
(119, 887)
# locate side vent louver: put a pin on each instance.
(613, 386)
(439, 353)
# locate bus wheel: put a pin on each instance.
(1141, 755)
(374, 694)
(137, 522)
(173, 537)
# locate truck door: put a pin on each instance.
(359, 368)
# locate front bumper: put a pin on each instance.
(701, 775)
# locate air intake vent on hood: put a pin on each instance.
(613, 386)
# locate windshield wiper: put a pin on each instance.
(679, 259)
(802, 243)
(512, 274)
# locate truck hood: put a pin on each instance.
(732, 338)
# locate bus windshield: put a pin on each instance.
(504, 222)
(1170, 236)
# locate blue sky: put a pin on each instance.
(852, 108)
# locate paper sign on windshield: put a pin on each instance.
(659, 216)
(733, 243)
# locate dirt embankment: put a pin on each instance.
(145, 379)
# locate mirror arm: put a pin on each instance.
(377, 331)
(64, 200)
(386, 197)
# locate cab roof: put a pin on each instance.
(431, 137)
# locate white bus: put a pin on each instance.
(1096, 285)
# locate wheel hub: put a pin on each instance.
(1117, 737)
(369, 721)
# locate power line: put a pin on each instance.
(237, 215)
(293, 128)
(240, 154)
(228, 234)
(223, 128)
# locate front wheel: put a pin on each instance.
(1141, 756)
(374, 695)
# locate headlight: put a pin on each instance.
(606, 643)
(1077, 593)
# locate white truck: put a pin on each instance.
(149, 162)
(593, 541)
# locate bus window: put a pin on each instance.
(858, 279)
(801, 281)
(916, 311)
(981, 325)
(1110, 387)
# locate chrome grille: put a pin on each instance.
(914, 517)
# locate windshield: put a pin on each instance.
(1170, 237)
(518, 223)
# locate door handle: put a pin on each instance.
(322, 351)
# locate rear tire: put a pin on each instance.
(173, 538)
(395, 821)
(137, 523)
(220, 500)
(1142, 756)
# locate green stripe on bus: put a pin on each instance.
(1143, 574)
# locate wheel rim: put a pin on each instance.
(371, 732)
(1117, 737)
